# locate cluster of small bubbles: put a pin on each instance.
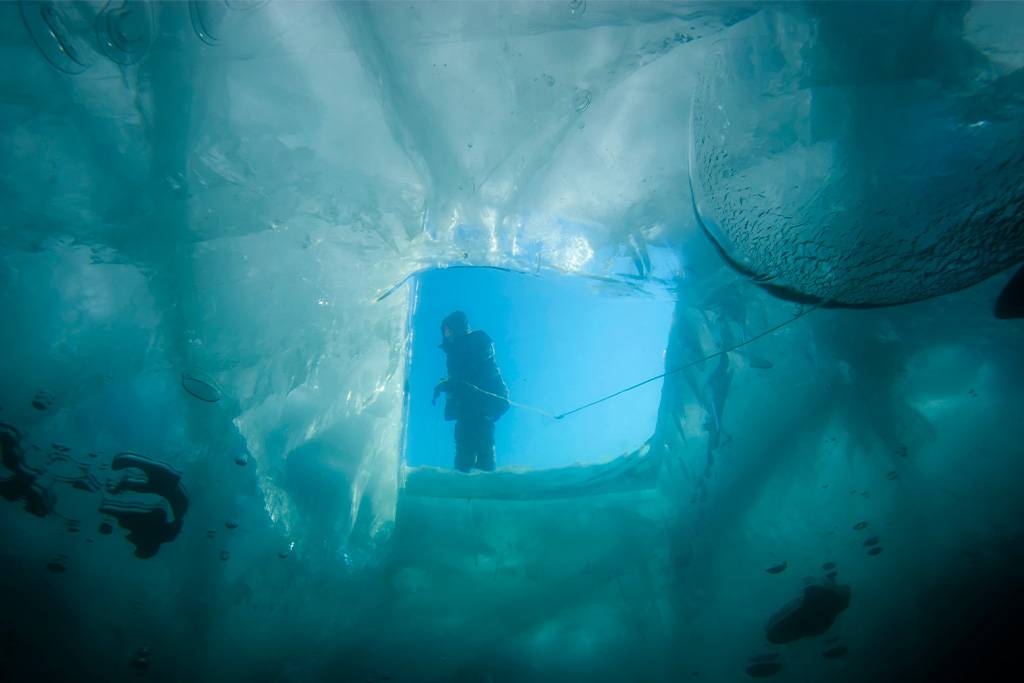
(124, 30)
(582, 101)
(549, 79)
(577, 7)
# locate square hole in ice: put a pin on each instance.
(560, 342)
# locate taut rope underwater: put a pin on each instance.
(620, 392)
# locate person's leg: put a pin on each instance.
(485, 445)
(465, 452)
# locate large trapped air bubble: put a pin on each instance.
(859, 158)
(206, 18)
(245, 5)
(47, 24)
(810, 615)
(124, 31)
(200, 386)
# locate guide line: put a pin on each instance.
(620, 392)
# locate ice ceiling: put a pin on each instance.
(226, 188)
(208, 207)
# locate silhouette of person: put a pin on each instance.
(475, 394)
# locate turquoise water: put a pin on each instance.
(226, 223)
(559, 343)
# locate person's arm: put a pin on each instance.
(441, 386)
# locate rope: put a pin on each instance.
(716, 354)
(620, 392)
(516, 404)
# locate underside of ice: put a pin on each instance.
(864, 158)
(210, 209)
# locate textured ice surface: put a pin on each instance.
(207, 208)
(865, 157)
(230, 192)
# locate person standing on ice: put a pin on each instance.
(476, 395)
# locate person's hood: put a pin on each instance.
(458, 323)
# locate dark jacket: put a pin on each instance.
(471, 364)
